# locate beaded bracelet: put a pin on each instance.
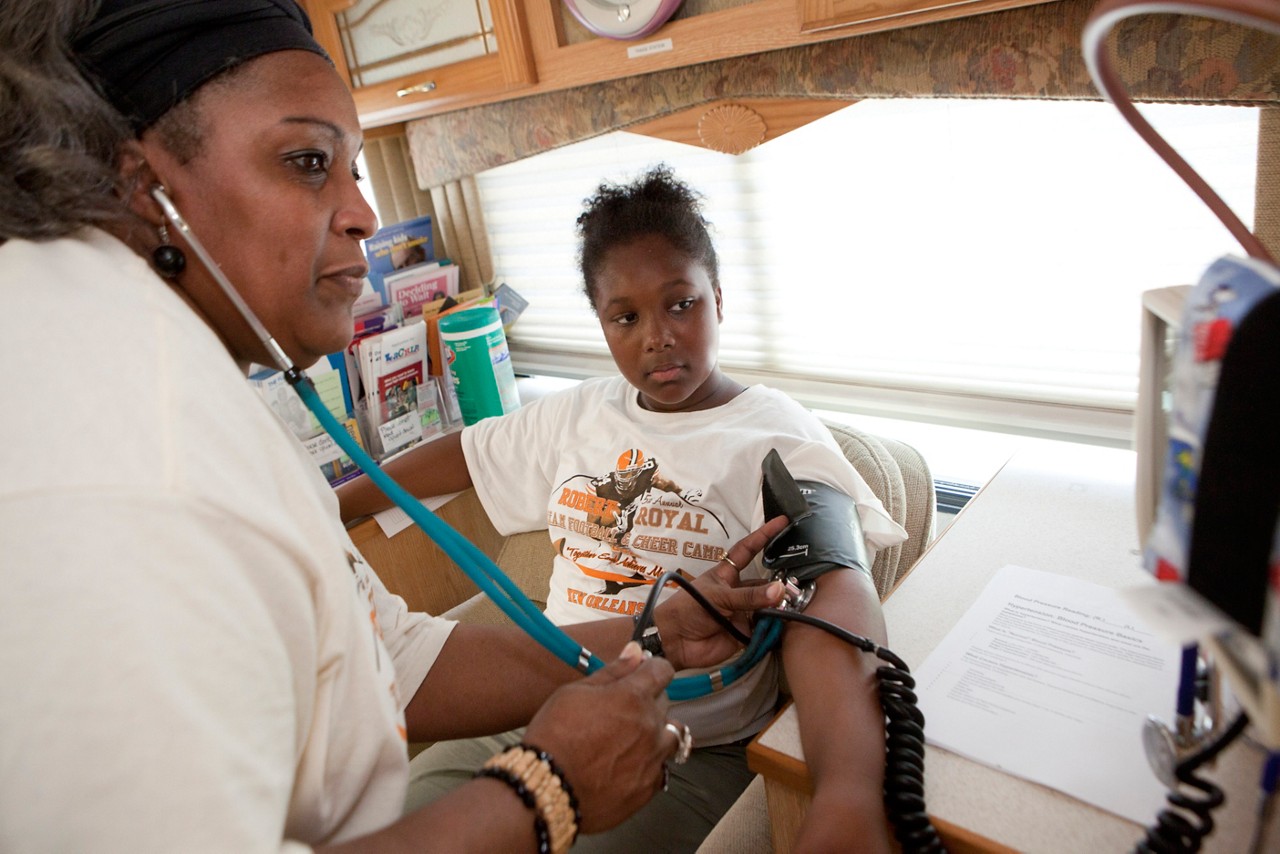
(541, 787)
(527, 797)
(564, 783)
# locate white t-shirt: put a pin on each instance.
(194, 655)
(627, 494)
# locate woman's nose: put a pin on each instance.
(356, 217)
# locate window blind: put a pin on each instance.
(967, 262)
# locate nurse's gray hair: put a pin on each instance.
(79, 78)
(59, 139)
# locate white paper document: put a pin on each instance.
(394, 520)
(1051, 679)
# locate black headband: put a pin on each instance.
(149, 55)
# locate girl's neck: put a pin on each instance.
(718, 392)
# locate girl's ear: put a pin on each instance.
(138, 177)
(719, 305)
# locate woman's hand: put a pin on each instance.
(690, 636)
(607, 733)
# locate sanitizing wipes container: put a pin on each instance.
(476, 348)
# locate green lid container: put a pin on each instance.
(475, 348)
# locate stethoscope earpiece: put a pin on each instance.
(274, 350)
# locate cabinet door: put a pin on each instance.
(399, 56)
(818, 15)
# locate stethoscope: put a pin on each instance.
(904, 744)
(478, 566)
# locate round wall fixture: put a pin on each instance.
(616, 19)
(731, 128)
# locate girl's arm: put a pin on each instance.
(437, 467)
(841, 722)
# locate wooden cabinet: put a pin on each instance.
(407, 58)
(819, 15)
(541, 48)
(720, 29)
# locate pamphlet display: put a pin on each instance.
(510, 304)
(336, 466)
(398, 247)
(394, 384)
(400, 406)
(416, 286)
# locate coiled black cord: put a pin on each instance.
(904, 722)
(904, 738)
(1184, 824)
(904, 758)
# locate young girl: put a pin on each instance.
(659, 469)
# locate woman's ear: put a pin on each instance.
(137, 178)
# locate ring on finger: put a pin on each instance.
(684, 741)
(729, 561)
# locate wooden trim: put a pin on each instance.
(959, 840)
(324, 26)
(455, 84)
(786, 809)
(776, 765)
(753, 28)
(756, 27)
(789, 793)
(384, 132)
(781, 115)
(819, 15)
(514, 49)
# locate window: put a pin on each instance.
(965, 262)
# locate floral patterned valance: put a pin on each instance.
(1031, 52)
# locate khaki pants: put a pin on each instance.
(677, 820)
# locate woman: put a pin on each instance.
(195, 655)
(659, 469)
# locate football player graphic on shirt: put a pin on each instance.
(633, 476)
(638, 523)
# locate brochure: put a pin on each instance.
(397, 246)
(415, 287)
(336, 466)
(402, 404)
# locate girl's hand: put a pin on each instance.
(690, 636)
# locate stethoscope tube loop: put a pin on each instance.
(501, 589)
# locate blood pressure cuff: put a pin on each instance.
(825, 532)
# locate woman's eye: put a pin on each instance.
(311, 162)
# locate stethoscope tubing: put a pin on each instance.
(474, 563)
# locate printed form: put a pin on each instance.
(393, 520)
(1051, 679)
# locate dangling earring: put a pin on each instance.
(168, 259)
